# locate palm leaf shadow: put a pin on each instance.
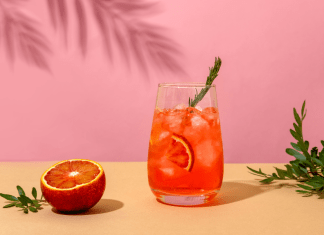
(81, 16)
(119, 22)
(8, 37)
(99, 12)
(59, 16)
(121, 27)
(145, 43)
(22, 37)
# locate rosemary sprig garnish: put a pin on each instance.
(24, 202)
(213, 73)
(308, 167)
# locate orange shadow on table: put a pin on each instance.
(103, 206)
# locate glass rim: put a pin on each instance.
(184, 84)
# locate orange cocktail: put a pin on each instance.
(185, 160)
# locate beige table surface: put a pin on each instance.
(243, 206)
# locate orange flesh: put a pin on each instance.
(72, 173)
(178, 154)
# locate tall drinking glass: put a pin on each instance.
(185, 159)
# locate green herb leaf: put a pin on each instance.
(295, 135)
(289, 171)
(315, 185)
(307, 168)
(304, 115)
(27, 199)
(314, 152)
(295, 169)
(302, 191)
(32, 209)
(304, 149)
(281, 173)
(274, 175)
(321, 156)
(267, 180)
(303, 170)
(319, 179)
(297, 130)
(307, 164)
(295, 146)
(304, 187)
(8, 197)
(35, 203)
(34, 192)
(301, 145)
(258, 173)
(297, 118)
(20, 190)
(303, 108)
(317, 161)
(253, 170)
(20, 205)
(307, 145)
(296, 154)
(10, 205)
(23, 201)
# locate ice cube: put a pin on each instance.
(208, 152)
(198, 122)
(174, 123)
(196, 130)
(164, 135)
(169, 172)
(180, 106)
(211, 115)
(199, 108)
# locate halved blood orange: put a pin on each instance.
(180, 152)
(73, 185)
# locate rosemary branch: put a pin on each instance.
(213, 73)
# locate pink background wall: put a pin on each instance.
(99, 108)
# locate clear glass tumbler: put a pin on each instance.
(185, 159)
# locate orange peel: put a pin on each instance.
(73, 185)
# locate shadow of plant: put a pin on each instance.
(21, 35)
(320, 195)
(119, 22)
(120, 25)
(237, 191)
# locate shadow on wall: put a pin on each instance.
(119, 22)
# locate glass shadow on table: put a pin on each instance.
(103, 206)
(239, 190)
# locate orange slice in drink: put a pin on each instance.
(73, 185)
(180, 152)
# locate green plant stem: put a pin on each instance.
(24, 202)
(307, 168)
(213, 73)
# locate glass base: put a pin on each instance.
(185, 200)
